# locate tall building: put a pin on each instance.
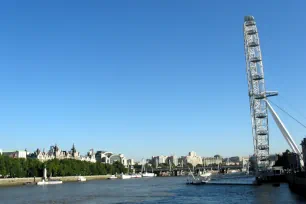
(155, 161)
(173, 159)
(162, 159)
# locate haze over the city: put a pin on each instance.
(145, 78)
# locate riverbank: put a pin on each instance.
(21, 181)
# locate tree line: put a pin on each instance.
(18, 168)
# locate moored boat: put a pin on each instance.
(124, 176)
(136, 176)
(81, 179)
(147, 174)
(205, 177)
(49, 182)
(113, 177)
(46, 181)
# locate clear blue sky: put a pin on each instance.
(143, 77)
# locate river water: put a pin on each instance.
(148, 190)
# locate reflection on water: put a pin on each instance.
(147, 190)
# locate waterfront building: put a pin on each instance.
(236, 160)
(109, 158)
(56, 153)
(131, 162)
(41, 155)
(173, 159)
(103, 156)
(90, 157)
(162, 159)
(209, 161)
(114, 158)
(157, 160)
(192, 158)
(15, 154)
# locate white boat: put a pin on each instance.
(46, 181)
(146, 174)
(123, 176)
(113, 177)
(136, 176)
(201, 178)
(205, 177)
(52, 182)
(81, 178)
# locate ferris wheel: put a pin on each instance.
(259, 104)
(257, 92)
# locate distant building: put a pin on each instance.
(131, 162)
(173, 159)
(157, 160)
(90, 157)
(42, 155)
(162, 159)
(110, 158)
(232, 160)
(56, 153)
(192, 158)
(15, 154)
(103, 156)
(208, 161)
(123, 160)
(0, 151)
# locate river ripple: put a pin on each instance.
(147, 190)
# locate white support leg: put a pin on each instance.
(285, 132)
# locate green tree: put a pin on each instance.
(2, 166)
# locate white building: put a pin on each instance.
(157, 160)
(131, 162)
(216, 160)
(90, 157)
(162, 159)
(192, 158)
(110, 158)
(56, 153)
(173, 159)
(0, 151)
(15, 154)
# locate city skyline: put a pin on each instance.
(137, 159)
(144, 78)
